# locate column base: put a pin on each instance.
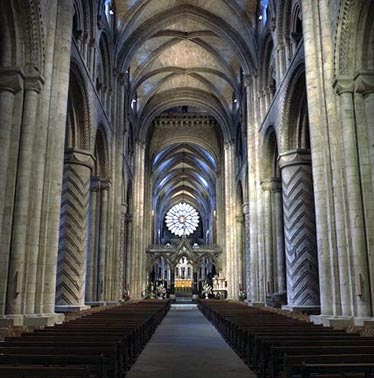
(256, 304)
(31, 320)
(310, 310)
(363, 322)
(342, 322)
(70, 308)
(102, 303)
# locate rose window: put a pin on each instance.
(182, 219)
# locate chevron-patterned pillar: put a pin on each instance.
(300, 230)
(71, 265)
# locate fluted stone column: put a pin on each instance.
(71, 267)
(356, 222)
(104, 188)
(268, 236)
(299, 230)
(10, 85)
(33, 86)
(279, 235)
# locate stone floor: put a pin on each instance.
(186, 345)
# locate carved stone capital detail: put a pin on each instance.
(295, 157)
(343, 85)
(11, 80)
(276, 184)
(266, 185)
(247, 80)
(364, 83)
(105, 184)
(79, 157)
(34, 83)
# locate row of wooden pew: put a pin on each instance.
(101, 344)
(274, 345)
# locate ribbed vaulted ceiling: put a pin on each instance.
(185, 53)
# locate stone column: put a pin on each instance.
(299, 230)
(10, 84)
(268, 236)
(56, 119)
(104, 188)
(91, 281)
(231, 229)
(195, 288)
(172, 281)
(252, 194)
(247, 232)
(138, 254)
(364, 89)
(33, 86)
(356, 221)
(71, 266)
(279, 235)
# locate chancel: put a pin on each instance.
(174, 173)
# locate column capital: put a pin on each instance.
(79, 157)
(266, 185)
(295, 157)
(105, 184)
(11, 79)
(34, 83)
(247, 80)
(276, 184)
(343, 85)
(364, 82)
(95, 184)
(245, 208)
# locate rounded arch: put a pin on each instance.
(22, 42)
(184, 96)
(354, 34)
(102, 163)
(270, 153)
(294, 127)
(78, 132)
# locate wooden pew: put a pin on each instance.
(101, 344)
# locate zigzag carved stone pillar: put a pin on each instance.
(300, 230)
(71, 266)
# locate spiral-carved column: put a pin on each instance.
(71, 266)
(300, 230)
